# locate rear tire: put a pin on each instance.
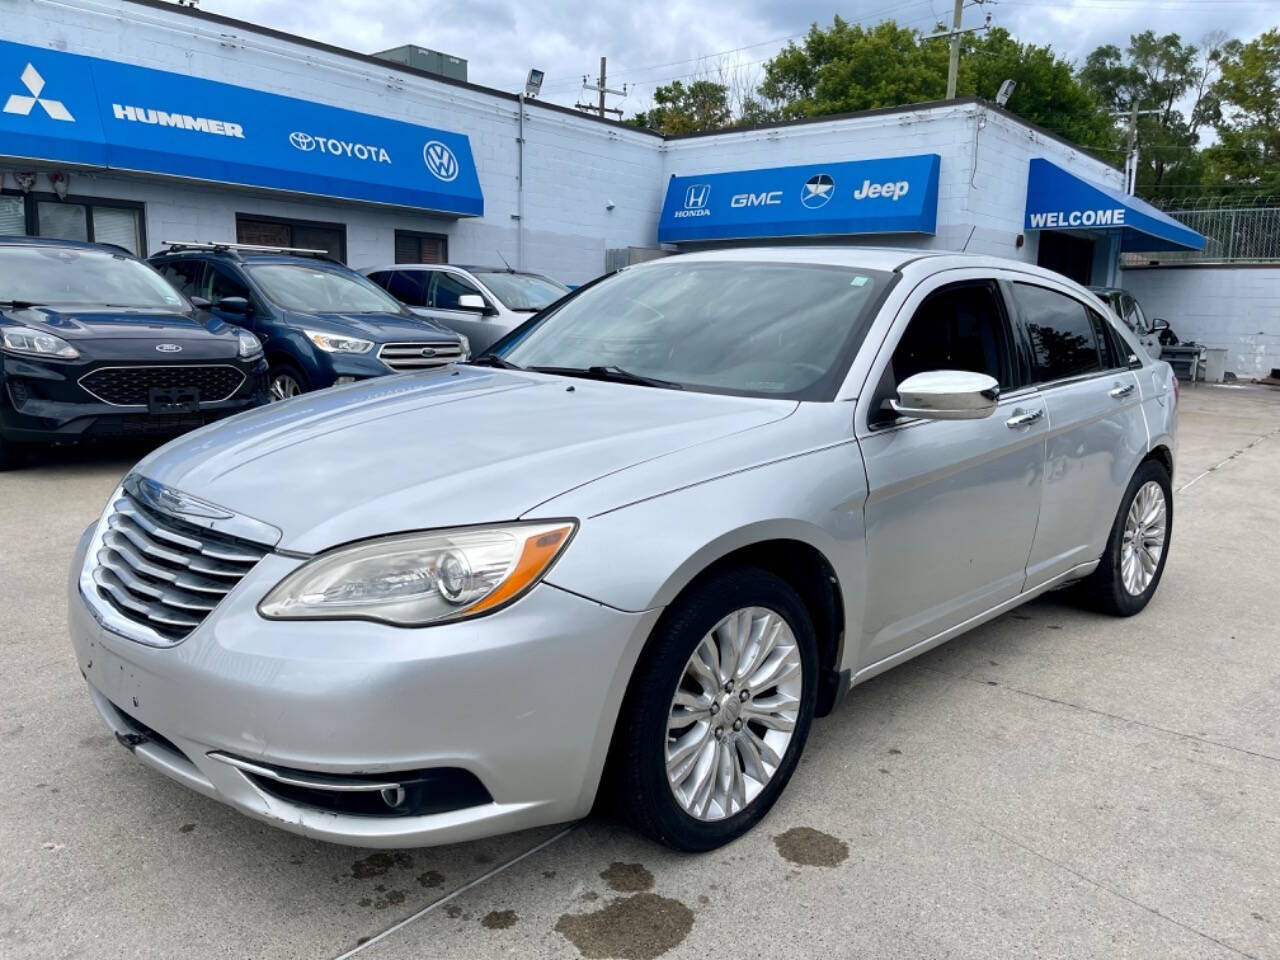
(284, 381)
(692, 703)
(1133, 562)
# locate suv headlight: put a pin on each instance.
(250, 346)
(419, 579)
(466, 347)
(26, 340)
(333, 343)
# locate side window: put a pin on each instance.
(447, 288)
(960, 327)
(409, 286)
(222, 283)
(1063, 341)
(1139, 325)
(1111, 357)
(184, 276)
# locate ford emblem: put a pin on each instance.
(428, 352)
(168, 348)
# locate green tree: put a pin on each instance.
(702, 105)
(1248, 150)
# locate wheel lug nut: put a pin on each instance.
(715, 708)
(719, 733)
(737, 724)
(728, 687)
(743, 695)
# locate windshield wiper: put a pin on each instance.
(493, 360)
(20, 304)
(611, 373)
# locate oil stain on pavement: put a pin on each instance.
(639, 927)
(808, 847)
(627, 877)
(499, 919)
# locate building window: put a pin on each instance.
(414, 247)
(284, 232)
(98, 220)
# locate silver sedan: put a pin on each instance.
(633, 553)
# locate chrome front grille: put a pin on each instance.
(403, 357)
(163, 573)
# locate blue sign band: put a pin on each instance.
(893, 195)
(64, 108)
(1058, 200)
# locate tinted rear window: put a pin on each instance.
(1063, 342)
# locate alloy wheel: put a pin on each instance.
(283, 386)
(733, 713)
(1145, 528)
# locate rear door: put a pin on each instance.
(952, 504)
(1097, 433)
(443, 295)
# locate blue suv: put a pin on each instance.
(320, 322)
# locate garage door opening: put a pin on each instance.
(1069, 255)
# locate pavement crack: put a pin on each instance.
(1114, 892)
(1221, 463)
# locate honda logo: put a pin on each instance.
(440, 161)
(695, 198)
(23, 105)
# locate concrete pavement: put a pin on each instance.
(1055, 783)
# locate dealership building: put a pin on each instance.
(140, 121)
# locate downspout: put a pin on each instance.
(520, 189)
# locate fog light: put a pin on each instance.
(343, 380)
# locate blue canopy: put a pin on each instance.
(65, 108)
(1058, 200)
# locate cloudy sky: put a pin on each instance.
(650, 42)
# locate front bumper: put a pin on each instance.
(525, 700)
(43, 402)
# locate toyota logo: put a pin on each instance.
(169, 347)
(440, 161)
(818, 191)
(303, 141)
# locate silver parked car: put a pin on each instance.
(483, 304)
(691, 507)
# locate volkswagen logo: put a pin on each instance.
(303, 141)
(817, 191)
(440, 161)
(428, 352)
(169, 347)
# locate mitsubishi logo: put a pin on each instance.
(22, 105)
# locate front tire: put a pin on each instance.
(285, 381)
(718, 711)
(1138, 547)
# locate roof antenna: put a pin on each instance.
(965, 248)
(504, 260)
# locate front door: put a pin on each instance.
(952, 505)
(1096, 427)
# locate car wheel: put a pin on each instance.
(718, 711)
(1138, 547)
(285, 381)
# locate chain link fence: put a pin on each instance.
(1246, 230)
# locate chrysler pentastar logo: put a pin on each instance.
(23, 105)
(176, 502)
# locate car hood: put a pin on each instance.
(98, 323)
(379, 327)
(458, 446)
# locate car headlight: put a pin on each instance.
(26, 340)
(333, 343)
(466, 347)
(250, 346)
(419, 579)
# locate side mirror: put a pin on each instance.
(234, 305)
(1158, 324)
(947, 395)
(472, 301)
(200, 303)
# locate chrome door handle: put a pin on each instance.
(1122, 391)
(1022, 418)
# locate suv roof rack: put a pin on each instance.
(234, 249)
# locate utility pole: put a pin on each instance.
(601, 88)
(953, 67)
(1131, 156)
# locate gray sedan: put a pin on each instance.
(633, 556)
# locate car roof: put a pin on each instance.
(228, 256)
(15, 241)
(1106, 290)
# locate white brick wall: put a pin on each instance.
(574, 167)
(1233, 307)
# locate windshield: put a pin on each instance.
(754, 329)
(313, 289)
(523, 291)
(82, 277)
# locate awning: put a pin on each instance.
(64, 108)
(888, 195)
(1058, 200)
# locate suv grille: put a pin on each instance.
(131, 386)
(166, 574)
(403, 357)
